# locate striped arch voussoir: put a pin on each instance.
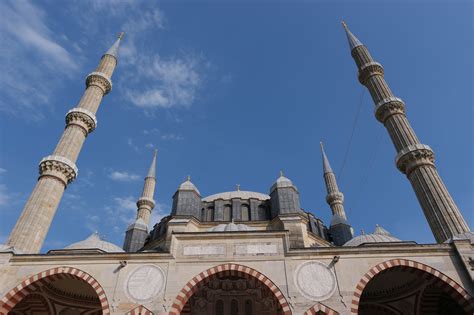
(140, 310)
(458, 293)
(31, 284)
(227, 270)
(320, 308)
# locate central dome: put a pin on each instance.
(238, 194)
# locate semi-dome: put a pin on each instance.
(238, 194)
(380, 235)
(95, 242)
(463, 236)
(231, 227)
(188, 185)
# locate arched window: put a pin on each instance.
(248, 307)
(227, 213)
(262, 213)
(234, 307)
(219, 307)
(210, 214)
(245, 213)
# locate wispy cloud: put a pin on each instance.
(172, 82)
(30, 51)
(123, 176)
(171, 136)
(5, 196)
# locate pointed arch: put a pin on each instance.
(319, 307)
(140, 310)
(229, 270)
(456, 291)
(32, 283)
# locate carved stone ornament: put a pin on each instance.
(315, 281)
(144, 201)
(388, 107)
(55, 163)
(83, 117)
(99, 79)
(412, 156)
(335, 197)
(369, 69)
(145, 283)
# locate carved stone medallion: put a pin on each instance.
(315, 280)
(145, 283)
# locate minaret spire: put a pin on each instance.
(137, 232)
(59, 169)
(353, 41)
(414, 159)
(340, 229)
(113, 50)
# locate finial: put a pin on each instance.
(353, 41)
(188, 178)
(121, 34)
(362, 232)
(281, 173)
(237, 187)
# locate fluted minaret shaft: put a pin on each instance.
(146, 202)
(414, 159)
(59, 169)
(334, 197)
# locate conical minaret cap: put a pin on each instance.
(353, 41)
(152, 170)
(326, 166)
(113, 50)
(188, 185)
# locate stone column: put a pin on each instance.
(414, 159)
(59, 169)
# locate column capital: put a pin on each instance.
(100, 80)
(59, 167)
(83, 118)
(413, 156)
(388, 107)
(144, 201)
(370, 69)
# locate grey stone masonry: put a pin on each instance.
(59, 169)
(414, 159)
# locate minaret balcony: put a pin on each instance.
(370, 69)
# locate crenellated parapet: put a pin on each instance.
(58, 167)
(414, 156)
(82, 118)
(100, 80)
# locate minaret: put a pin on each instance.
(59, 169)
(137, 232)
(340, 229)
(414, 159)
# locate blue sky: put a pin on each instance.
(233, 92)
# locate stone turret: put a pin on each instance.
(340, 229)
(59, 169)
(137, 232)
(285, 198)
(414, 159)
(187, 200)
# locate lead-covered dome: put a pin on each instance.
(95, 242)
(380, 235)
(230, 227)
(238, 194)
(188, 185)
(282, 182)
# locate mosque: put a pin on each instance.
(241, 252)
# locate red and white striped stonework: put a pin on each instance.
(320, 308)
(225, 270)
(140, 310)
(31, 284)
(440, 279)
